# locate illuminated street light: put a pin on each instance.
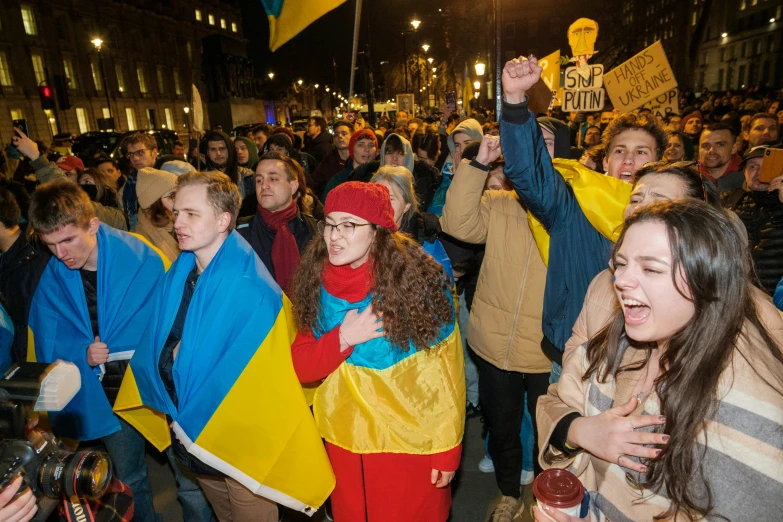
(477, 85)
(316, 85)
(415, 24)
(430, 59)
(327, 89)
(426, 47)
(724, 35)
(271, 76)
(186, 109)
(480, 67)
(299, 82)
(97, 42)
(476, 94)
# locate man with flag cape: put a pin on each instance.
(90, 308)
(215, 369)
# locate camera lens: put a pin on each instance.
(83, 473)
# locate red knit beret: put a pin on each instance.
(362, 134)
(369, 201)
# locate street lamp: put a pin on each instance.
(415, 23)
(271, 76)
(327, 89)
(299, 82)
(426, 47)
(430, 59)
(187, 117)
(480, 67)
(98, 43)
(477, 85)
(316, 85)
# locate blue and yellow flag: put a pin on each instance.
(602, 199)
(241, 408)
(129, 272)
(383, 399)
(287, 18)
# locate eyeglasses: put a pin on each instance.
(345, 229)
(138, 154)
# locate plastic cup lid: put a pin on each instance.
(558, 488)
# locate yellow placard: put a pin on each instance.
(551, 70)
(640, 79)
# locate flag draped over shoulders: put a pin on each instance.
(602, 198)
(384, 399)
(241, 408)
(128, 274)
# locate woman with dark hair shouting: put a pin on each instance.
(376, 321)
(674, 410)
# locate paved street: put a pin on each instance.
(474, 492)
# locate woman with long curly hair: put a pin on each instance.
(674, 410)
(376, 321)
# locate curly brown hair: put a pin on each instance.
(410, 290)
(633, 121)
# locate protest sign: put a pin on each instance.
(666, 103)
(640, 79)
(588, 100)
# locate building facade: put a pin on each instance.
(151, 53)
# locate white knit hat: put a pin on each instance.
(152, 184)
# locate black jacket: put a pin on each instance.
(762, 214)
(319, 147)
(21, 268)
(256, 232)
(426, 179)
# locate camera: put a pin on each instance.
(47, 468)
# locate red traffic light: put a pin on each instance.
(46, 92)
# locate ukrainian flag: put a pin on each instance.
(386, 399)
(129, 271)
(602, 199)
(287, 18)
(241, 408)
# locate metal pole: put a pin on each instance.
(498, 54)
(418, 68)
(355, 48)
(370, 84)
(405, 52)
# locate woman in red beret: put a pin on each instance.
(377, 335)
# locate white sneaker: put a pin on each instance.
(526, 478)
(486, 465)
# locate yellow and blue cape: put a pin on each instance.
(602, 199)
(241, 407)
(385, 399)
(129, 272)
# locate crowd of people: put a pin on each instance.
(306, 322)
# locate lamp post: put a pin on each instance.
(416, 23)
(98, 43)
(187, 117)
(271, 75)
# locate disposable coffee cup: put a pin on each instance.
(559, 489)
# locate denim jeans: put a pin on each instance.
(525, 437)
(195, 506)
(556, 371)
(127, 452)
(471, 372)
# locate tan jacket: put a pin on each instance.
(160, 238)
(505, 319)
(737, 445)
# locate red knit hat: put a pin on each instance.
(361, 134)
(368, 201)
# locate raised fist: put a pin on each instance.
(519, 76)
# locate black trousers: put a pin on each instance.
(502, 395)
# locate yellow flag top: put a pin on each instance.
(602, 198)
(287, 18)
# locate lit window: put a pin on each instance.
(17, 114)
(120, 77)
(28, 19)
(177, 85)
(81, 117)
(5, 72)
(233, 27)
(131, 118)
(105, 112)
(38, 68)
(211, 20)
(68, 68)
(142, 81)
(198, 15)
(222, 23)
(169, 119)
(693, 19)
(161, 83)
(743, 5)
(96, 75)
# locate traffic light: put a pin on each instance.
(61, 88)
(47, 97)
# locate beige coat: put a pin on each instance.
(505, 319)
(160, 238)
(739, 439)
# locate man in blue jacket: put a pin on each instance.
(577, 251)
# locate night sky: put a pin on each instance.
(310, 54)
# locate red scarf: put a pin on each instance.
(344, 282)
(285, 253)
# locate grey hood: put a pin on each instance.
(406, 146)
(470, 127)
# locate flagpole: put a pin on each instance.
(356, 21)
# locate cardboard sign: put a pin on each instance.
(666, 103)
(588, 100)
(405, 103)
(640, 79)
(574, 81)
